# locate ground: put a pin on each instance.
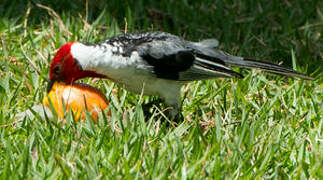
(263, 126)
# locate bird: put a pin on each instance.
(152, 63)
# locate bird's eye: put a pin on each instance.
(57, 69)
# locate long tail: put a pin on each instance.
(217, 56)
(269, 67)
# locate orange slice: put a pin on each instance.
(77, 97)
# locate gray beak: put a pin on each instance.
(50, 85)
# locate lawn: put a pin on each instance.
(263, 126)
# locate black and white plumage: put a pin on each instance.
(158, 63)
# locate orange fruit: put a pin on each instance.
(77, 97)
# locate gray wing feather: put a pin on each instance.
(208, 43)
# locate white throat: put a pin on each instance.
(102, 60)
(90, 57)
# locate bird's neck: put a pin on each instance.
(91, 57)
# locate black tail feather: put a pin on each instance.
(271, 67)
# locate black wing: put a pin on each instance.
(171, 58)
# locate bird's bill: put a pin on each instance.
(50, 84)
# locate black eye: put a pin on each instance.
(57, 69)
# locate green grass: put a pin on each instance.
(263, 126)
